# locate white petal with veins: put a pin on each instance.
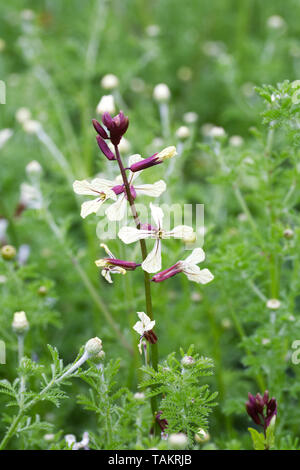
(152, 263)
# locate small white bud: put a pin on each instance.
(288, 233)
(217, 132)
(49, 437)
(187, 361)
(109, 82)
(202, 436)
(190, 118)
(31, 126)
(236, 141)
(23, 114)
(139, 396)
(273, 304)
(161, 93)
(178, 441)
(8, 252)
(106, 104)
(153, 30)
(20, 323)
(34, 168)
(226, 323)
(5, 135)
(93, 346)
(265, 341)
(275, 22)
(183, 133)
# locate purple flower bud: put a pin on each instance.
(105, 148)
(167, 273)
(261, 409)
(163, 423)
(145, 163)
(99, 129)
(117, 126)
(128, 265)
(118, 189)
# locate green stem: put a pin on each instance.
(149, 310)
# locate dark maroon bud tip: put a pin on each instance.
(105, 148)
(99, 129)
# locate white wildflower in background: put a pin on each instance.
(183, 133)
(236, 141)
(139, 396)
(108, 267)
(273, 304)
(31, 126)
(161, 93)
(191, 117)
(202, 436)
(33, 168)
(217, 132)
(152, 263)
(288, 233)
(109, 82)
(106, 104)
(153, 30)
(22, 115)
(30, 197)
(5, 135)
(276, 22)
(185, 73)
(20, 323)
(178, 441)
(124, 145)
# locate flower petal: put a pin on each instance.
(197, 256)
(106, 275)
(138, 327)
(117, 210)
(131, 234)
(90, 207)
(180, 231)
(91, 188)
(154, 190)
(152, 263)
(201, 276)
(157, 215)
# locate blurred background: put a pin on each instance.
(53, 56)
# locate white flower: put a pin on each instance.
(93, 346)
(31, 197)
(161, 93)
(34, 168)
(236, 141)
(152, 263)
(183, 132)
(22, 115)
(275, 22)
(20, 323)
(107, 267)
(217, 132)
(178, 441)
(97, 187)
(5, 135)
(273, 304)
(153, 30)
(190, 118)
(192, 271)
(31, 127)
(145, 324)
(110, 81)
(117, 210)
(106, 104)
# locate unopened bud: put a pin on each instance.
(166, 153)
(22, 115)
(42, 291)
(178, 441)
(20, 323)
(183, 133)
(187, 361)
(139, 396)
(31, 127)
(93, 346)
(288, 233)
(34, 168)
(109, 81)
(106, 105)
(161, 93)
(8, 252)
(202, 436)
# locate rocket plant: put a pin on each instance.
(123, 192)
